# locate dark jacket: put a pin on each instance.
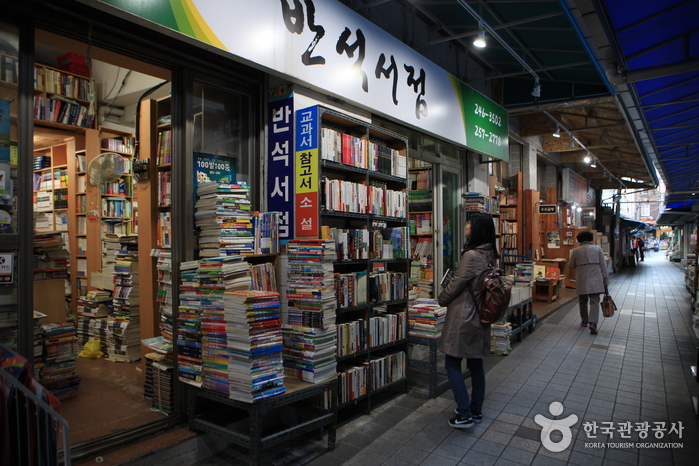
(463, 335)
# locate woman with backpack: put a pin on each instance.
(463, 335)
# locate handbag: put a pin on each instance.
(608, 305)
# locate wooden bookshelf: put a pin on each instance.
(62, 100)
(421, 228)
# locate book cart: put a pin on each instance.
(521, 316)
(372, 244)
(301, 406)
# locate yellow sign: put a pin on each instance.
(306, 171)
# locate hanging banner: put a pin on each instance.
(324, 44)
(306, 201)
(280, 163)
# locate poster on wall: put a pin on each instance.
(213, 167)
(7, 270)
(280, 162)
(553, 239)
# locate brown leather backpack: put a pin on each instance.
(495, 294)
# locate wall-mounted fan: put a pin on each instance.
(107, 167)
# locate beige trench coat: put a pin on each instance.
(591, 273)
(463, 335)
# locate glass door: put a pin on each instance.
(451, 227)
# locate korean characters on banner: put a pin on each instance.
(306, 173)
(280, 163)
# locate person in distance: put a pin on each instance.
(463, 335)
(591, 279)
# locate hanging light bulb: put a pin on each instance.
(557, 134)
(579, 209)
(480, 40)
(587, 159)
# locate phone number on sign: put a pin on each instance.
(492, 138)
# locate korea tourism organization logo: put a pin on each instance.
(611, 435)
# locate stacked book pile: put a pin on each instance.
(111, 245)
(310, 338)
(51, 256)
(216, 276)
(264, 277)
(164, 295)
(426, 318)
(265, 232)
(500, 338)
(222, 213)
(123, 326)
(38, 337)
(477, 202)
(189, 345)
(524, 273)
(93, 310)
(57, 373)
(159, 384)
(253, 328)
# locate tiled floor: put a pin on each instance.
(636, 369)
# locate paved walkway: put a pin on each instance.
(636, 369)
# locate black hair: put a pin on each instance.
(482, 232)
(584, 236)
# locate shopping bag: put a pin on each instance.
(608, 306)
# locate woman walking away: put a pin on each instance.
(463, 335)
(591, 280)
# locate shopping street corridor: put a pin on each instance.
(636, 369)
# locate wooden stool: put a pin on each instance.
(545, 291)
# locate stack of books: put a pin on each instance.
(123, 326)
(51, 256)
(500, 338)
(164, 295)
(524, 273)
(93, 310)
(426, 318)
(265, 232)
(216, 276)
(222, 213)
(264, 277)
(477, 202)
(57, 373)
(189, 334)
(253, 328)
(159, 384)
(310, 338)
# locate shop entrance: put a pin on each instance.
(93, 226)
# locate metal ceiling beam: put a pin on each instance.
(498, 27)
(653, 72)
(514, 36)
(542, 69)
(645, 19)
(679, 84)
(670, 102)
(662, 44)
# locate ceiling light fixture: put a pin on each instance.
(537, 89)
(587, 159)
(571, 144)
(594, 164)
(579, 209)
(480, 40)
(557, 134)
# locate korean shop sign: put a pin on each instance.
(330, 47)
(306, 170)
(280, 163)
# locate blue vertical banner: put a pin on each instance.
(280, 163)
(306, 168)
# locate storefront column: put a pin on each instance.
(478, 174)
(529, 167)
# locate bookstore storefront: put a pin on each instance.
(120, 153)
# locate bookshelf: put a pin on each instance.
(511, 225)
(63, 100)
(421, 228)
(364, 209)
